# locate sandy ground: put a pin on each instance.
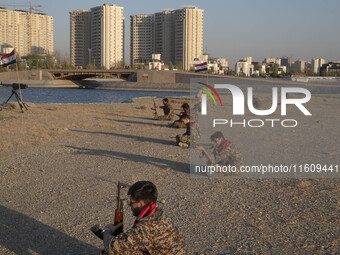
(59, 165)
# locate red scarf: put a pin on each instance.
(148, 210)
(224, 145)
(185, 111)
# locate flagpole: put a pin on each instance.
(16, 64)
(207, 71)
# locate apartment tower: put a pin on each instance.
(80, 23)
(29, 33)
(175, 34)
(142, 38)
(317, 64)
(97, 36)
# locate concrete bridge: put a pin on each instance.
(77, 75)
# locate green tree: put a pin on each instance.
(3, 69)
(310, 73)
(179, 66)
(121, 64)
(89, 66)
(171, 66)
(34, 61)
(49, 62)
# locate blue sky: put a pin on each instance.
(232, 29)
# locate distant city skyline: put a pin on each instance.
(302, 29)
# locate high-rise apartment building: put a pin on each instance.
(80, 23)
(175, 34)
(299, 66)
(287, 62)
(28, 33)
(316, 65)
(142, 38)
(97, 36)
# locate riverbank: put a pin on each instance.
(59, 164)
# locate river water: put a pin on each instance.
(61, 95)
(76, 95)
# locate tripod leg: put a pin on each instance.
(18, 99)
(25, 105)
(9, 97)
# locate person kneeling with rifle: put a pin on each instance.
(152, 232)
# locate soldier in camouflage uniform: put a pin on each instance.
(167, 109)
(225, 153)
(179, 123)
(152, 233)
(184, 140)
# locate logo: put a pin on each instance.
(204, 97)
(239, 103)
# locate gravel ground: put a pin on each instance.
(59, 165)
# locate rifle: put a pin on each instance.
(155, 115)
(119, 215)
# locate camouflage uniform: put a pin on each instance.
(166, 109)
(191, 136)
(153, 234)
(227, 155)
(178, 123)
(184, 140)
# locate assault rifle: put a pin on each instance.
(119, 215)
(155, 115)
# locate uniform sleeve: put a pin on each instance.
(131, 242)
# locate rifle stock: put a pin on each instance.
(119, 217)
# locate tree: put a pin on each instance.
(89, 66)
(3, 69)
(310, 73)
(34, 61)
(171, 66)
(179, 66)
(49, 62)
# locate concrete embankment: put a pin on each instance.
(43, 83)
(136, 86)
(35, 79)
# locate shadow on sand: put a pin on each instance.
(21, 234)
(134, 137)
(158, 162)
(143, 123)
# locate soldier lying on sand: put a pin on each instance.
(152, 232)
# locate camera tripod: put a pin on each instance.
(21, 104)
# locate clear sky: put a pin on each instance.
(232, 29)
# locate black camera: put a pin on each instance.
(16, 86)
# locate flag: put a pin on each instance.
(8, 59)
(201, 67)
